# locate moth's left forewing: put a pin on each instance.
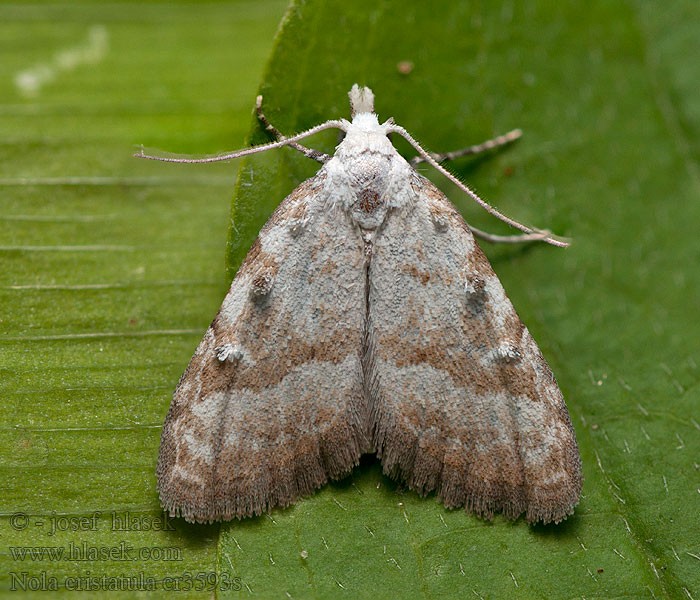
(463, 401)
(272, 403)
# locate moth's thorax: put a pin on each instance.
(365, 163)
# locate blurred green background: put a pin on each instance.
(113, 268)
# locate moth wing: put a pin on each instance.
(272, 403)
(462, 400)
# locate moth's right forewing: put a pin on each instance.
(462, 400)
(272, 403)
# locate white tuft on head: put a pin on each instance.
(361, 100)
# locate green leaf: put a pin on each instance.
(113, 268)
(606, 95)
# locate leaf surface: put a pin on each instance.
(606, 96)
(114, 267)
(111, 269)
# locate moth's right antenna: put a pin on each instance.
(537, 234)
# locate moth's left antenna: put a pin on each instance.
(333, 124)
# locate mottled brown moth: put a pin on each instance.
(366, 319)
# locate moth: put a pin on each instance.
(366, 319)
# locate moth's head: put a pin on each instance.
(361, 100)
(362, 111)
